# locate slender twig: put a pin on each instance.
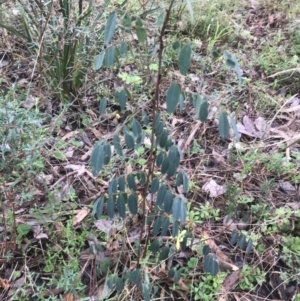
(153, 148)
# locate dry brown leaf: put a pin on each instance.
(4, 283)
(69, 135)
(213, 188)
(223, 259)
(262, 126)
(79, 168)
(191, 136)
(97, 133)
(80, 216)
(68, 297)
(230, 281)
(249, 125)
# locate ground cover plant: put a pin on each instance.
(149, 150)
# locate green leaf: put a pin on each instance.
(154, 247)
(141, 177)
(122, 99)
(177, 276)
(141, 34)
(223, 125)
(232, 62)
(184, 59)
(146, 293)
(176, 208)
(249, 246)
(131, 182)
(97, 159)
(159, 129)
(135, 277)
(102, 107)
(234, 237)
(165, 165)
(99, 61)
(206, 250)
(113, 187)
(123, 49)
(171, 273)
(163, 138)
(157, 225)
(154, 185)
(110, 27)
(185, 183)
(160, 19)
(173, 154)
(235, 129)
(165, 226)
(119, 284)
(107, 153)
(100, 205)
(159, 159)
(171, 169)
(110, 56)
(126, 21)
(136, 127)
(121, 206)
(173, 95)
(121, 183)
(168, 202)
(139, 23)
(161, 195)
(175, 229)
(183, 212)
(133, 203)
(176, 45)
(129, 141)
(164, 253)
(111, 206)
(145, 118)
(117, 145)
(203, 111)
(179, 179)
(242, 241)
(211, 265)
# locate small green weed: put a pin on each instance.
(206, 288)
(251, 276)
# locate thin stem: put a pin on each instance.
(153, 148)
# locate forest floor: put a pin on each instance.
(243, 198)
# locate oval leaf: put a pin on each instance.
(176, 208)
(110, 27)
(121, 206)
(154, 247)
(161, 195)
(154, 185)
(129, 141)
(131, 182)
(211, 265)
(164, 253)
(111, 206)
(223, 125)
(99, 208)
(168, 202)
(110, 56)
(97, 159)
(173, 95)
(99, 60)
(184, 60)
(107, 153)
(102, 107)
(141, 34)
(133, 204)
